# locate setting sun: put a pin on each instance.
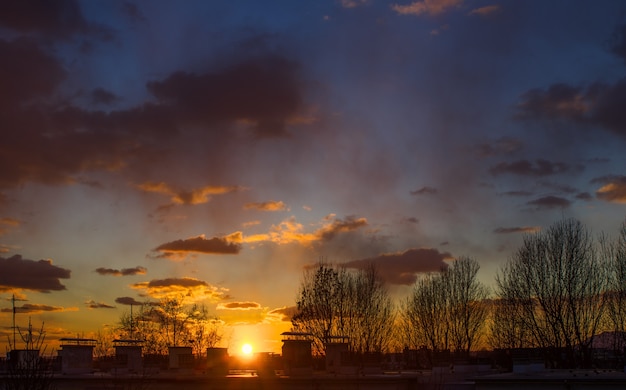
(246, 349)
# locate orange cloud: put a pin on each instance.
(614, 190)
(485, 11)
(190, 289)
(267, 206)
(428, 7)
(192, 197)
(290, 231)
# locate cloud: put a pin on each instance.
(427, 7)
(502, 146)
(613, 189)
(190, 289)
(239, 306)
(59, 19)
(11, 222)
(28, 72)
(597, 104)
(290, 231)
(176, 250)
(486, 10)
(267, 206)
(24, 274)
(36, 308)
(517, 229)
(192, 197)
(425, 191)
(128, 301)
(263, 91)
(102, 96)
(91, 304)
(618, 42)
(550, 202)
(337, 226)
(517, 193)
(539, 168)
(284, 314)
(138, 270)
(353, 3)
(402, 267)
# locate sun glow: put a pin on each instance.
(246, 349)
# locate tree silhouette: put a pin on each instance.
(557, 282)
(334, 301)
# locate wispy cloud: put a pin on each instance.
(190, 197)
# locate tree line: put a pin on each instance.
(558, 291)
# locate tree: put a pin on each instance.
(334, 301)
(467, 311)
(424, 314)
(170, 322)
(616, 296)
(556, 282)
(446, 310)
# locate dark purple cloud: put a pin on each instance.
(403, 267)
(596, 104)
(263, 91)
(539, 168)
(123, 272)
(91, 304)
(24, 274)
(425, 191)
(34, 308)
(550, 202)
(214, 245)
(128, 301)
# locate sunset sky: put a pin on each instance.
(213, 149)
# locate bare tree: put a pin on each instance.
(616, 296)
(558, 282)
(424, 314)
(507, 327)
(334, 301)
(467, 310)
(28, 368)
(447, 310)
(203, 330)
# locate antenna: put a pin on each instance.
(14, 328)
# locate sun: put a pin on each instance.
(246, 349)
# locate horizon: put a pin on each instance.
(216, 150)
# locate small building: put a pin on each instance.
(336, 347)
(217, 360)
(296, 351)
(23, 358)
(180, 358)
(128, 355)
(76, 355)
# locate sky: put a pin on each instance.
(214, 150)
